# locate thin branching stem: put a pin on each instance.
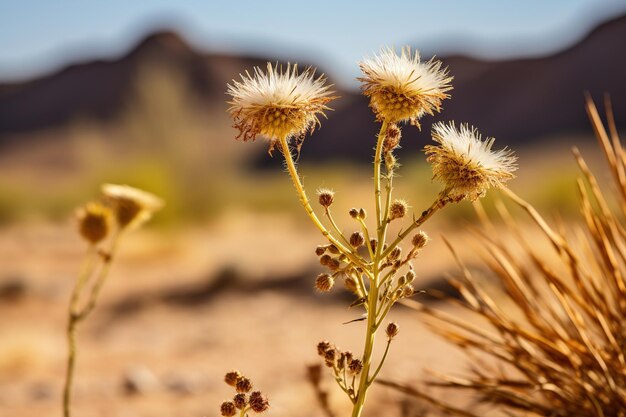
(380, 365)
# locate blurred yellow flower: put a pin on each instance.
(132, 206)
(94, 222)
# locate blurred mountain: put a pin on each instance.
(517, 101)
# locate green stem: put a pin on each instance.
(71, 360)
(307, 205)
(380, 365)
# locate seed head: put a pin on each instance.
(333, 249)
(131, 206)
(319, 251)
(357, 239)
(398, 209)
(94, 222)
(465, 163)
(322, 347)
(232, 377)
(240, 401)
(259, 402)
(355, 366)
(325, 197)
(325, 260)
(401, 87)
(333, 264)
(420, 240)
(362, 214)
(324, 282)
(354, 213)
(228, 409)
(373, 244)
(392, 330)
(243, 385)
(278, 103)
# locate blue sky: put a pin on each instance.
(40, 36)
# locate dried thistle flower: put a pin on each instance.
(420, 240)
(325, 197)
(465, 163)
(243, 385)
(392, 330)
(324, 282)
(401, 87)
(277, 103)
(132, 206)
(228, 409)
(398, 209)
(259, 402)
(232, 377)
(94, 222)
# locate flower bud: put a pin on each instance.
(243, 385)
(354, 213)
(324, 282)
(94, 222)
(325, 197)
(392, 330)
(240, 401)
(410, 276)
(258, 402)
(357, 239)
(362, 214)
(322, 347)
(319, 251)
(228, 409)
(395, 253)
(398, 209)
(420, 240)
(232, 377)
(355, 366)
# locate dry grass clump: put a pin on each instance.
(557, 349)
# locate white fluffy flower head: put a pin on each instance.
(402, 87)
(278, 103)
(465, 163)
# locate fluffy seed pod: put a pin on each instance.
(325, 197)
(354, 213)
(322, 347)
(258, 402)
(319, 251)
(420, 240)
(357, 239)
(232, 377)
(240, 401)
(228, 409)
(330, 354)
(243, 385)
(398, 209)
(392, 330)
(355, 366)
(324, 282)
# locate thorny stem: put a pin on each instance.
(307, 205)
(75, 315)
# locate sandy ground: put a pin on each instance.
(182, 308)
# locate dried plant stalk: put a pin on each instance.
(558, 348)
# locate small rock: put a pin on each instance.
(139, 380)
